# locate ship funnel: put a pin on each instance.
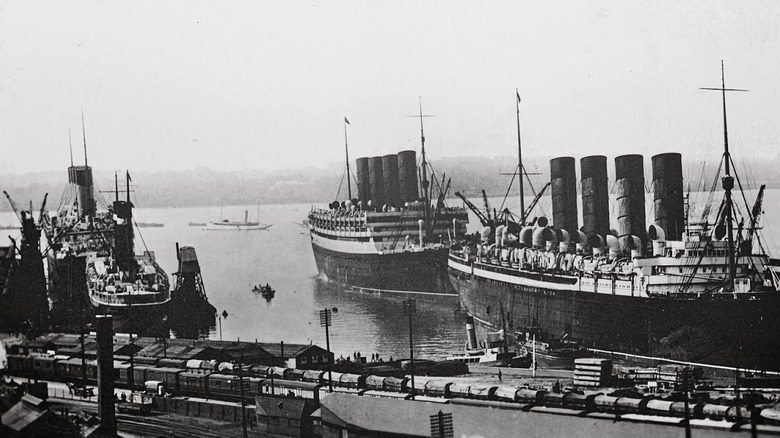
(390, 174)
(471, 333)
(81, 177)
(363, 180)
(407, 176)
(614, 246)
(541, 236)
(595, 195)
(563, 181)
(668, 194)
(526, 236)
(377, 182)
(630, 183)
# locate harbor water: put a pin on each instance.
(232, 262)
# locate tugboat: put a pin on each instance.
(685, 290)
(389, 238)
(266, 291)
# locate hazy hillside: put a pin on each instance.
(204, 187)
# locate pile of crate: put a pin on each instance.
(592, 371)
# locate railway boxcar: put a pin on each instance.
(575, 401)
(630, 405)
(43, 367)
(397, 384)
(354, 381)
(479, 391)
(145, 360)
(386, 394)
(529, 396)
(276, 372)
(333, 377)
(139, 376)
(293, 388)
(714, 412)
(293, 374)
(192, 383)
(437, 388)
(460, 389)
(375, 383)
(315, 376)
(222, 384)
(605, 403)
(20, 365)
(553, 399)
(506, 393)
(657, 407)
(695, 410)
(169, 376)
(200, 366)
(172, 363)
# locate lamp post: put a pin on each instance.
(325, 321)
(410, 307)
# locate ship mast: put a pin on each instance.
(346, 150)
(727, 180)
(520, 161)
(424, 164)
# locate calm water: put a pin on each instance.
(233, 261)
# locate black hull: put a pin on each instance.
(72, 311)
(424, 271)
(740, 333)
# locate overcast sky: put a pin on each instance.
(266, 84)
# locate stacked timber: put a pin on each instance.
(592, 371)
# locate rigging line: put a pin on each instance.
(739, 183)
(340, 184)
(506, 195)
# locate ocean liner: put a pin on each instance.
(92, 264)
(679, 288)
(391, 237)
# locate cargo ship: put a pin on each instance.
(678, 288)
(92, 265)
(390, 237)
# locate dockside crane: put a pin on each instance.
(484, 220)
(746, 246)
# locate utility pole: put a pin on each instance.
(325, 321)
(410, 307)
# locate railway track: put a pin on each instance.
(163, 425)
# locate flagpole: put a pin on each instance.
(346, 150)
(520, 162)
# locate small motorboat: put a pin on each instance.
(266, 291)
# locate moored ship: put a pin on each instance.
(92, 264)
(704, 292)
(390, 237)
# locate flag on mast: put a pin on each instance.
(518, 96)
(346, 121)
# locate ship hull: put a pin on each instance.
(732, 332)
(409, 271)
